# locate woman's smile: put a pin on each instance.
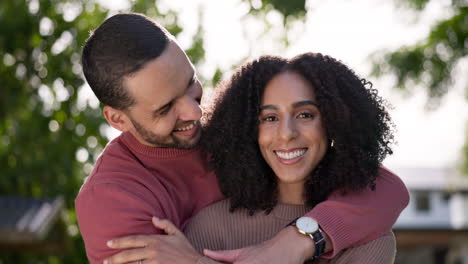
(290, 156)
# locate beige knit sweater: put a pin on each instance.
(216, 228)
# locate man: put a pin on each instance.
(151, 93)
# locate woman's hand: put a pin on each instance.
(154, 249)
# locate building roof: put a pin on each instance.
(27, 219)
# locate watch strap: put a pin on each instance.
(319, 241)
(317, 237)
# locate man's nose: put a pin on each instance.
(190, 109)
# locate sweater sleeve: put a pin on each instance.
(359, 217)
(108, 211)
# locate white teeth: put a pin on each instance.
(186, 128)
(290, 155)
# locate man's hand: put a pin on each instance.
(288, 246)
(154, 249)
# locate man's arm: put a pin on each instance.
(106, 211)
(359, 217)
(349, 220)
(173, 247)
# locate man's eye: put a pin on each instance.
(164, 110)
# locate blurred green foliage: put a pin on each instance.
(42, 127)
(432, 61)
(291, 8)
(49, 134)
(50, 131)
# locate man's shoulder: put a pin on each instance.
(389, 178)
(116, 165)
(117, 151)
(108, 190)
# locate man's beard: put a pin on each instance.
(162, 141)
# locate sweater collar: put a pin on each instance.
(285, 211)
(156, 152)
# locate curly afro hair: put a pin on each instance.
(353, 116)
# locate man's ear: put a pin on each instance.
(116, 118)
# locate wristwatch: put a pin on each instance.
(309, 227)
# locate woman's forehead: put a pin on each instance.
(288, 87)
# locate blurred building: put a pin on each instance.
(32, 224)
(433, 228)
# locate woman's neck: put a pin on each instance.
(291, 193)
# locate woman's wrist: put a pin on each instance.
(304, 244)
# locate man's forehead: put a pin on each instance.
(174, 63)
(163, 78)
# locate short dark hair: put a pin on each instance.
(120, 46)
(353, 115)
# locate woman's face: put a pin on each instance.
(291, 135)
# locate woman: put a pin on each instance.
(283, 136)
(307, 127)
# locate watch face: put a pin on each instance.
(307, 224)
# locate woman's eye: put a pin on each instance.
(268, 119)
(305, 115)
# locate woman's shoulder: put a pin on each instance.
(211, 227)
(209, 217)
(216, 210)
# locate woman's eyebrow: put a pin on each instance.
(294, 105)
(302, 103)
(272, 107)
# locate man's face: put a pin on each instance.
(167, 95)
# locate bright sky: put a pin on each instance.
(350, 31)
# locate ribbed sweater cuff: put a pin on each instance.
(333, 226)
